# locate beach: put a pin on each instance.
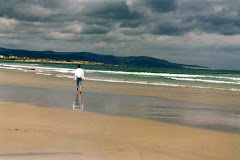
(119, 80)
(30, 132)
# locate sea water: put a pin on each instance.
(196, 78)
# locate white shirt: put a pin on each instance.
(79, 74)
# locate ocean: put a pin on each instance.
(195, 78)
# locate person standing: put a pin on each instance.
(79, 77)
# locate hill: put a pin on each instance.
(141, 61)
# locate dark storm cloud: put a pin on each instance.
(221, 17)
(29, 10)
(157, 17)
(130, 24)
(161, 5)
(111, 10)
(219, 24)
(95, 30)
(184, 16)
(121, 26)
(155, 5)
(170, 29)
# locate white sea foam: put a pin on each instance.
(204, 80)
(166, 84)
(201, 87)
(64, 76)
(144, 73)
(46, 74)
(231, 78)
(234, 89)
(116, 81)
(135, 82)
(38, 68)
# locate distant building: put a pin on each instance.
(12, 56)
(1, 56)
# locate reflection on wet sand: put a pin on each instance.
(184, 113)
(78, 104)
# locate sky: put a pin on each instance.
(200, 32)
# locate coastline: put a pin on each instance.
(43, 133)
(196, 95)
(38, 60)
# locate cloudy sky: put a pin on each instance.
(203, 32)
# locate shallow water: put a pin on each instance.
(183, 113)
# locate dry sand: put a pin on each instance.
(28, 132)
(204, 96)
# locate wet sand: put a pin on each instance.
(28, 132)
(204, 96)
(217, 118)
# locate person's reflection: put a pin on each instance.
(78, 104)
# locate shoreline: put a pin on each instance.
(196, 95)
(44, 133)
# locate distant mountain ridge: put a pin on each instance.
(140, 61)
